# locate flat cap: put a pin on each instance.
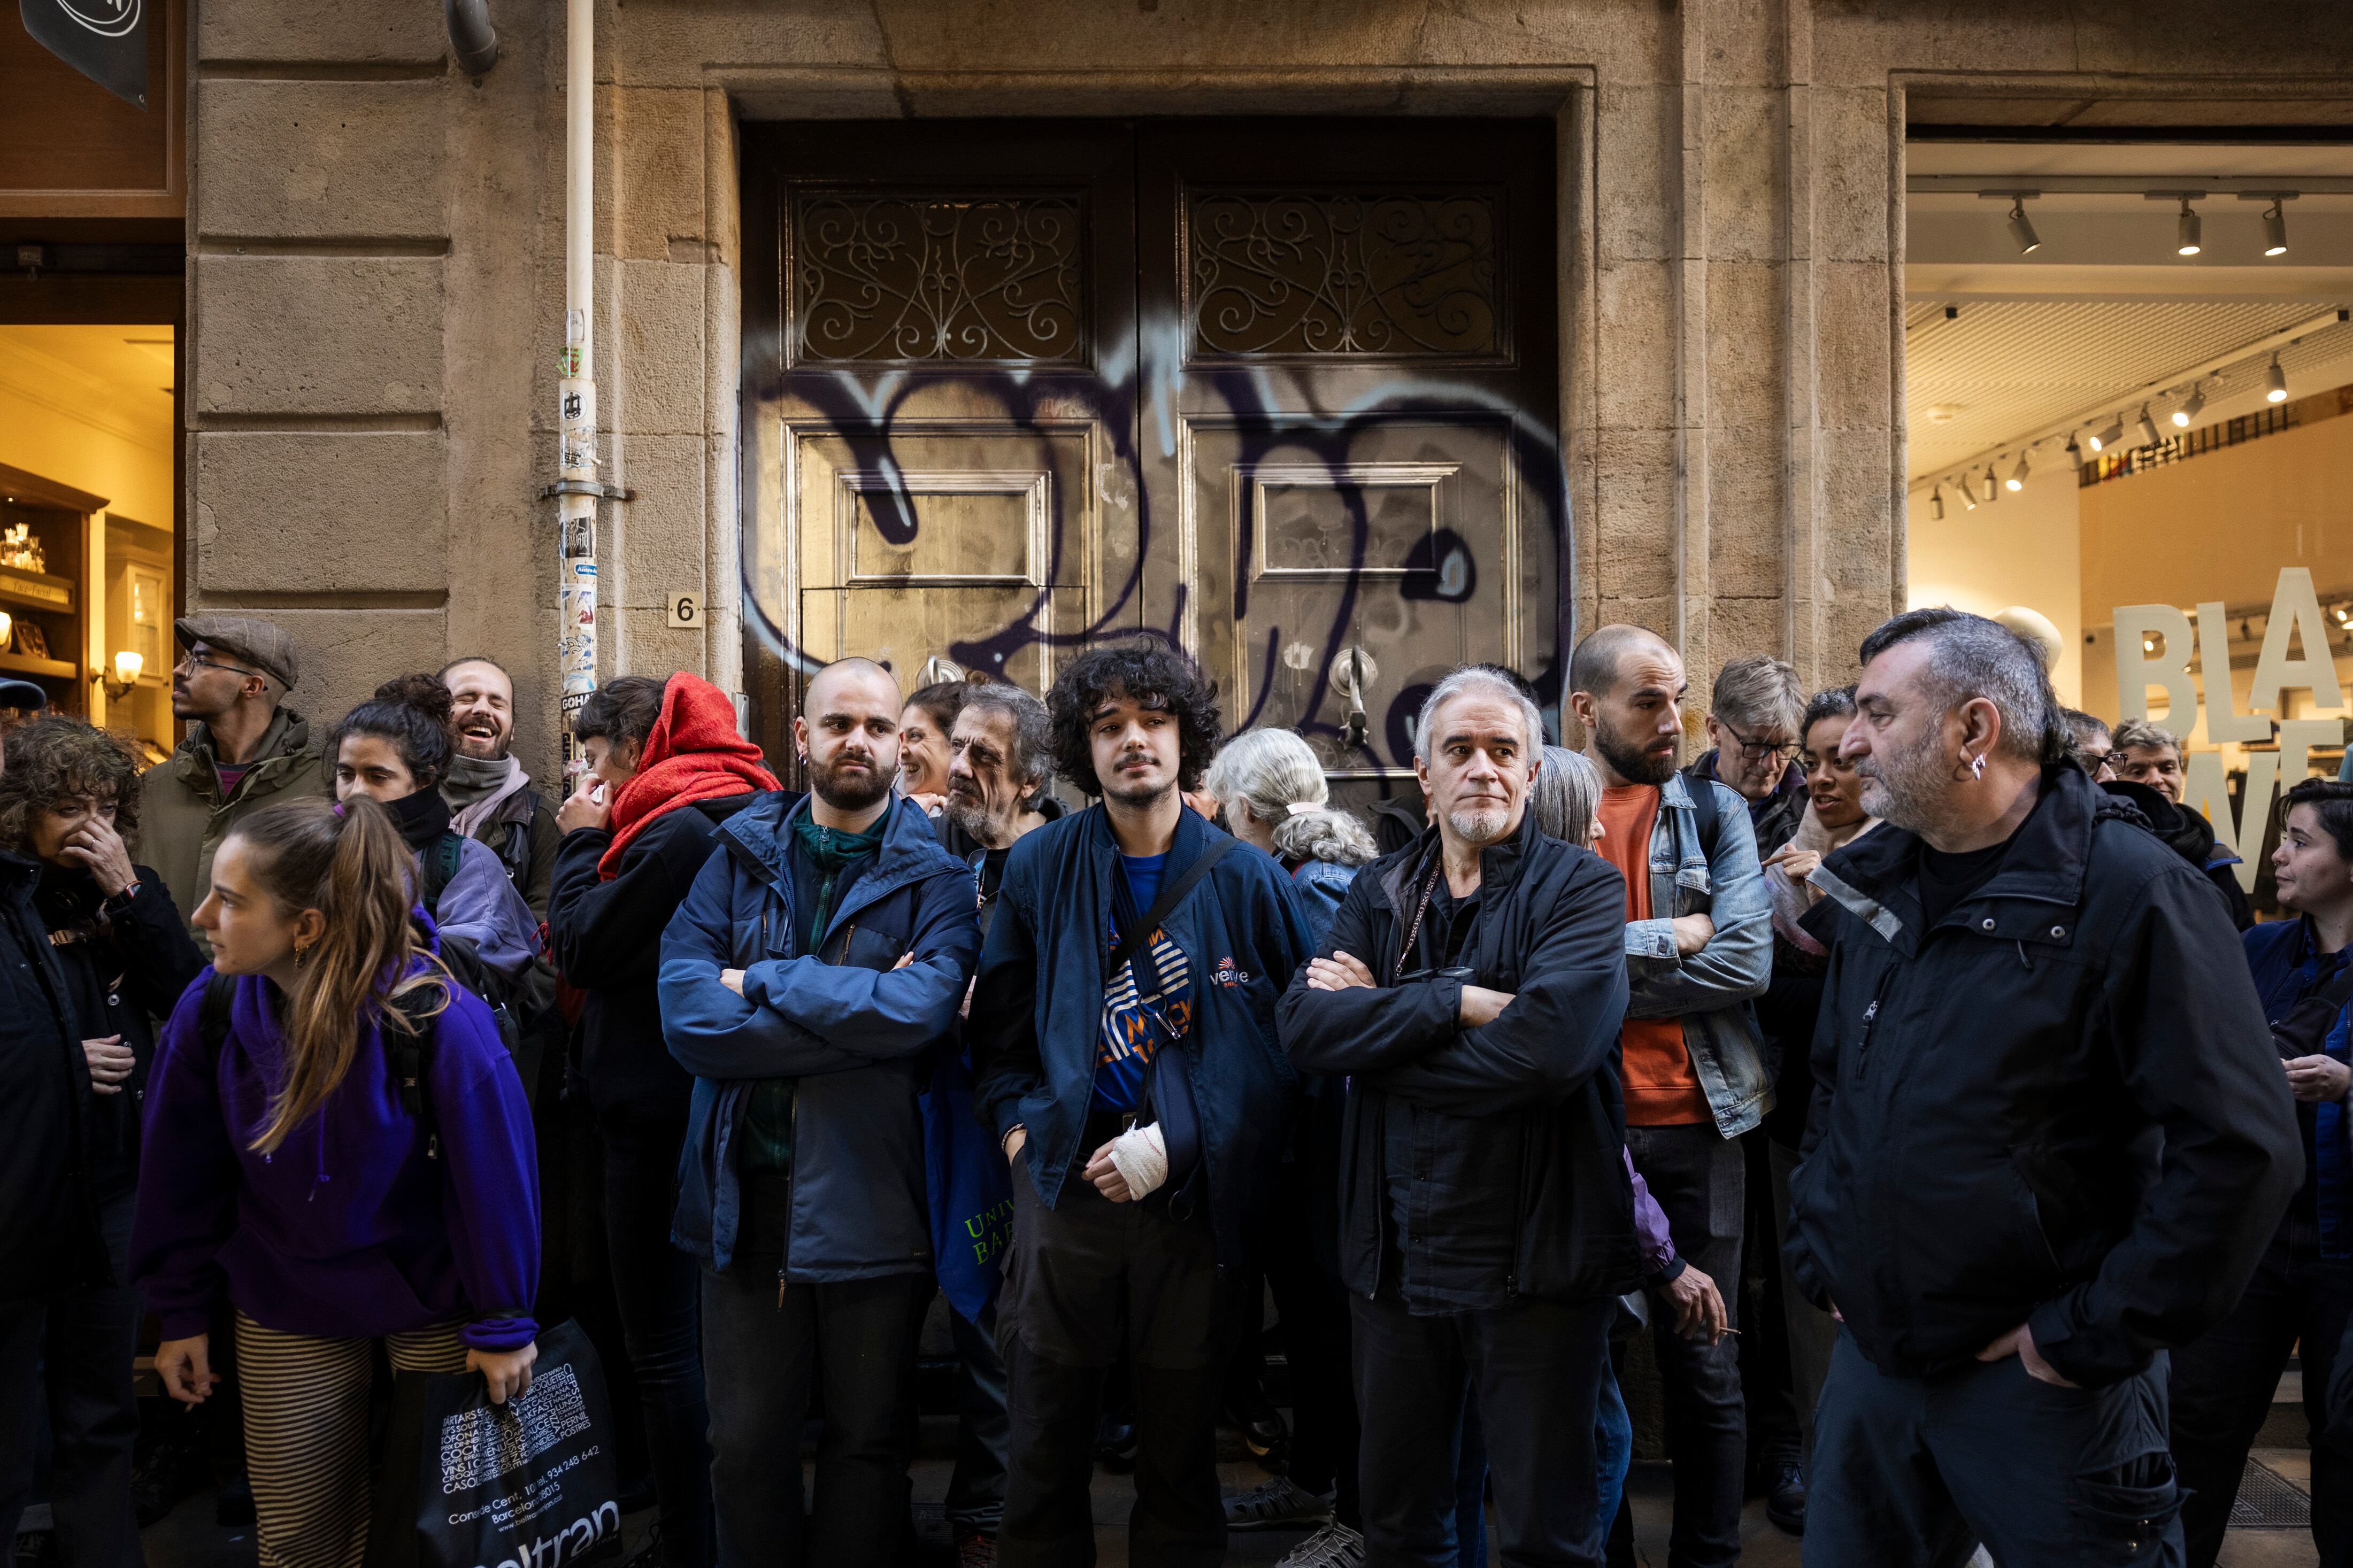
(265, 646)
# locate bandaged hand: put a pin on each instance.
(1130, 1166)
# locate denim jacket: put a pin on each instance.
(1711, 990)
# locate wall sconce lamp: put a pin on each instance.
(127, 665)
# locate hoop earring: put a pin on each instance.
(1976, 767)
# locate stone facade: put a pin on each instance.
(375, 276)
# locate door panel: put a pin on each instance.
(929, 543)
(1281, 391)
(939, 415)
(1349, 326)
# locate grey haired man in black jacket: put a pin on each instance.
(1471, 987)
(2050, 1136)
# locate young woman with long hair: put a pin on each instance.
(285, 1176)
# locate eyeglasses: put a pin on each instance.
(1757, 750)
(197, 661)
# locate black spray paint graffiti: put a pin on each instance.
(865, 411)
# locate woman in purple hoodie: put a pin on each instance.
(284, 1176)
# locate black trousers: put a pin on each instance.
(1535, 1370)
(80, 1343)
(2223, 1387)
(657, 1288)
(1911, 1474)
(975, 1499)
(1698, 1178)
(1767, 1388)
(857, 1338)
(1082, 1281)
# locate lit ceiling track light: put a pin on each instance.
(2276, 383)
(2186, 231)
(2190, 405)
(2016, 481)
(1969, 494)
(2113, 435)
(2022, 227)
(1936, 503)
(2275, 220)
(2075, 453)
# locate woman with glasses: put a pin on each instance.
(1752, 726)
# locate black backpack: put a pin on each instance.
(406, 1048)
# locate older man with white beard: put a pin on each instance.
(2050, 1137)
(1469, 989)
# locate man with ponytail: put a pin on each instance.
(285, 1176)
(666, 771)
(809, 976)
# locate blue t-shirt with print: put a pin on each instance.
(1137, 1023)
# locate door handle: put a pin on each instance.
(1350, 671)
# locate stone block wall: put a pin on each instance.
(376, 274)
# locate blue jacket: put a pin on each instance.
(1034, 1043)
(2287, 968)
(1712, 990)
(854, 1030)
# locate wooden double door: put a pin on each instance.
(1284, 392)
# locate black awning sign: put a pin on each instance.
(106, 40)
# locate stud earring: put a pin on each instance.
(1976, 767)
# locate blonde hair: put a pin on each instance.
(347, 862)
(1274, 772)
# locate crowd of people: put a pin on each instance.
(1907, 1069)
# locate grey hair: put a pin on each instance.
(1271, 771)
(1476, 678)
(1033, 733)
(1758, 693)
(2147, 736)
(1976, 658)
(1568, 793)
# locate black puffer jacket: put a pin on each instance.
(2061, 1107)
(2191, 836)
(1522, 1115)
(606, 940)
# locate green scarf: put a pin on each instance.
(833, 850)
(767, 1137)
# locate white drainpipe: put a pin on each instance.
(578, 490)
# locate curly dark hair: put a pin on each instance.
(1151, 673)
(412, 711)
(55, 760)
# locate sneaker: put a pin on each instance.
(1280, 1503)
(1785, 1497)
(975, 1550)
(1334, 1546)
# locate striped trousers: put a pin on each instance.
(306, 1434)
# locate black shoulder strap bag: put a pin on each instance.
(1171, 1084)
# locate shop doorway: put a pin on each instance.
(2128, 354)
(1284, 392)
(89, 506)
